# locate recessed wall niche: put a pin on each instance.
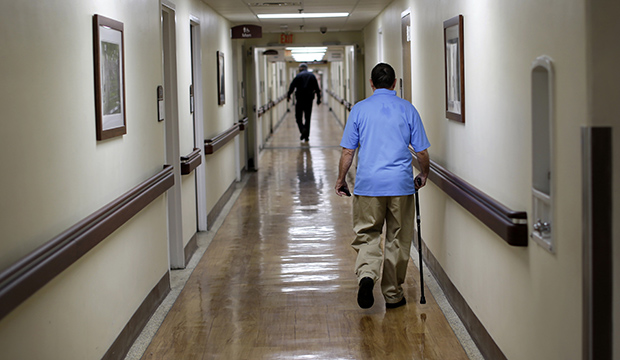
(542, 152)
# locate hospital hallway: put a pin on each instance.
(158, 203)
(277, 279)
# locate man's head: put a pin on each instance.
(383, 76)
(303, 67)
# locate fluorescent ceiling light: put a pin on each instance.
(307, 53)
(307, 49)
(308, 57)
(301, 15)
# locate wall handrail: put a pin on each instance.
(29, 274)
(190, 162)
(509, 224)
(217, 142)
(243, 123)
(269, 105)
(347, 105)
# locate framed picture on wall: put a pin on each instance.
(454, 68)
(109, 56)
(221, 89)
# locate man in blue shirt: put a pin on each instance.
(305, 86)
(383, 126)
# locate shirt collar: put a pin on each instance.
(384, 92)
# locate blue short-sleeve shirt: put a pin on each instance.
(383, 126)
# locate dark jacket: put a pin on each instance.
(305, 86)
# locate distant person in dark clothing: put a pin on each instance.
(305, 86)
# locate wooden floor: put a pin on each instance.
(277, 280)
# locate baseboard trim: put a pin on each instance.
(483, 340)
(120, 347)
(190, 248)
(217, 209)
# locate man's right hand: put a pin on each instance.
(420, 181)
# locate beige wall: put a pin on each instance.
(61, 174)
(57, 173)
(522, 295)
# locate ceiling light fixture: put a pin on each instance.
(307, 49)
(308, 57)
(302, 15)
(307, 54)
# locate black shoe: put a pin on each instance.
(364, 294)
(302, 137)
(395, 305)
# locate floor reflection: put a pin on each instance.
(309, 190)
(277, 280)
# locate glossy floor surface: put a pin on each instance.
(277, 280)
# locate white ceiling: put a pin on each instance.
(243, 12)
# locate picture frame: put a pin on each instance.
(221, 76)
(454, 57)
(109, 59)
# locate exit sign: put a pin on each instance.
(286, 38)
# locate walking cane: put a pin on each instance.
(417, 214)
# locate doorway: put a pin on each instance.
(197, 116)
(171, 124)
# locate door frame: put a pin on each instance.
(176, 251)
(201, 182)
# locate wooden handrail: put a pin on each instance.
(212, 145)
(26, 276)
(509, 224)
(243, 123)
(280, 99)
(347, 105)
(268, 106)
(190, 162)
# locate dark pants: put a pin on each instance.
(303, 107)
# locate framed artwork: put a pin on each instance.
(221, 89)
(109, 58)
(454, 68)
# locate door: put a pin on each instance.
(171, 124)
(197, 114)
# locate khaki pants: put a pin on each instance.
(369, 215)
